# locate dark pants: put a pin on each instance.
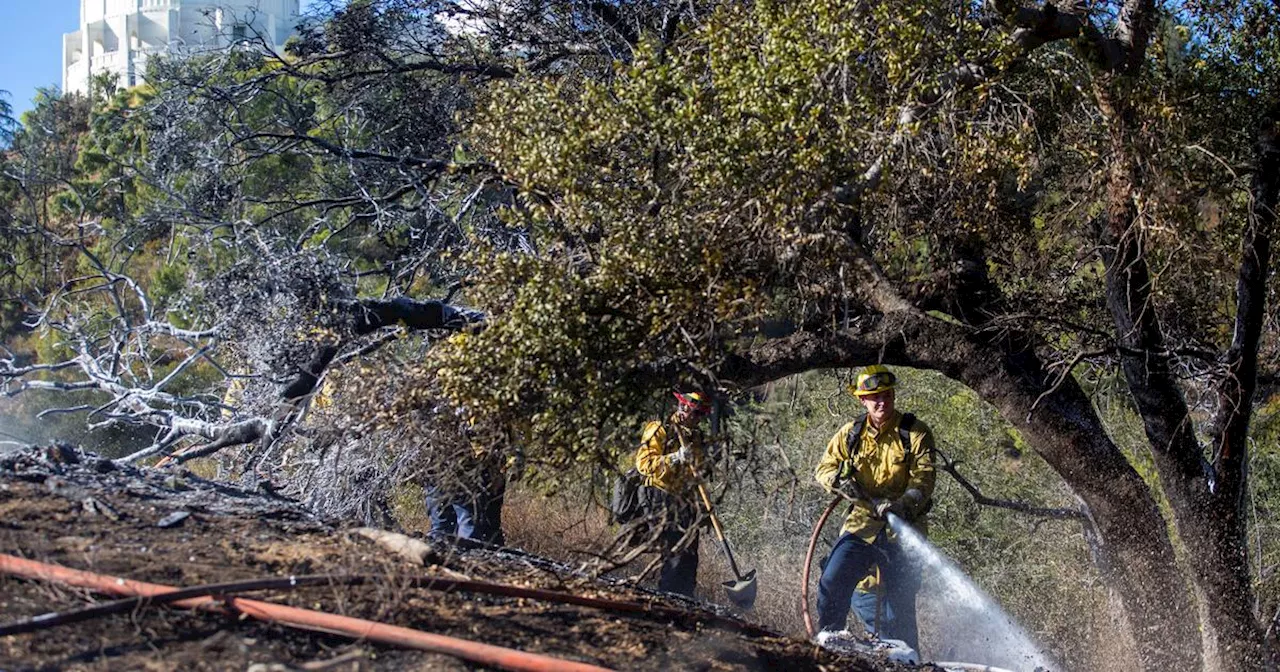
(851, 561)
(468, 515)
(676, 516)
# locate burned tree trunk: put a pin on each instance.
(1206, 502)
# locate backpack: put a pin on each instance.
(629, 499)
(627, 502)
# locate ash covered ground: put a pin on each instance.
(61, 505)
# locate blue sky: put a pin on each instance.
(31, 55)
(31, 35)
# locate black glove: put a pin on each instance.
(848, 489)
(904, 507)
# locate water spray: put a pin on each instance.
(992, 636)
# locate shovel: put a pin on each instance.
(742, 590)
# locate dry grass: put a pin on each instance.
(555, 527)
(778, 573)
(575, 533)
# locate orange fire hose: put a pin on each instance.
(808, 562)
(305, 619)
(644, 610)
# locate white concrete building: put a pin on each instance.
(117, 35)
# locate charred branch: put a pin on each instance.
(1146, 363)
(307, 379)
(615, 22)
(433, 167)
(373, 314)
(238, 434)
(1239, 387)
(952, 467)
(176, 417)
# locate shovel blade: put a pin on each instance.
(742, 591)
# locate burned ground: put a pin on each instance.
(62, 506)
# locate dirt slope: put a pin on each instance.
(62, 506)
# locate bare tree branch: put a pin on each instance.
(951, 467)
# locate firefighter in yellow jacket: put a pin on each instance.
(671, 458)
(883, 463)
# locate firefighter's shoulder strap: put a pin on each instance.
(904, 429)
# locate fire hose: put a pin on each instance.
(430, 583)
(808, 563)
(304, 619)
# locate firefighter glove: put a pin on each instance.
(882, 507)
(848, 489)
(680, 457)
(904, 507)
(897, 507)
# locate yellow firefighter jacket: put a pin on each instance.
(882, 466)
(656, 441)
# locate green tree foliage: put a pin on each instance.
(678, 198)
(672, 204)
(840, 168)
(245, 219)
